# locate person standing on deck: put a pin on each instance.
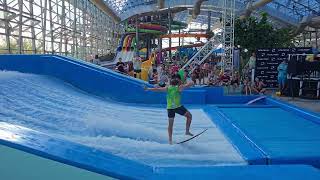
(137, 67)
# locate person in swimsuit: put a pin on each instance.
(235, 81)
(137, 66)
(130, 69)
(197, 72)
(259, 86)
(174, 105)
(246, 86)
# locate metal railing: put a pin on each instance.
(204, 52)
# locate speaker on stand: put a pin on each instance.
(291, 71)
(296, 67)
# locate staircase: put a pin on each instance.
(204, 52)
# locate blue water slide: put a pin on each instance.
(121, 43)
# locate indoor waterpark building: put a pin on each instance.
(159, 89)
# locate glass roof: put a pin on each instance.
(290, 11)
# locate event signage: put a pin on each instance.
(268, 60)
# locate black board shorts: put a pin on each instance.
(162, 84)
(137, 70)
(180, 110)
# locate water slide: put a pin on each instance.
(127, 42)
(126, 56)
(126, 48)
(184, 46)
(124, 51)
(184, 35)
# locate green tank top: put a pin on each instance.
(173, 97)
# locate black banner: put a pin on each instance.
(268, 60)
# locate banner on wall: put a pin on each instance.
(268, 60)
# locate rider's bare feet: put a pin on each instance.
(189, 133)
(170, 142)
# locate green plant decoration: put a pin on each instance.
(253, 33)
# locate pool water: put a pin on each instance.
(132, 131)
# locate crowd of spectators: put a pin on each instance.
(206, 74)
